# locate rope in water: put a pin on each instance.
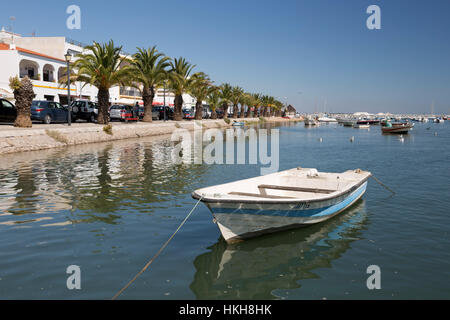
(382, 184)
(157, 254)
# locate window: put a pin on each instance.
(7, 104)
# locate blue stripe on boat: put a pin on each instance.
(324, 211)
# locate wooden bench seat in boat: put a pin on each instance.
(258, 195)
(262, 188)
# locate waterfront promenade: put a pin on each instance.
(42, 136)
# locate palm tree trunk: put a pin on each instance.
(213, 113)
(103, 106)
(235, 111)
(177, 116)
(198, 110)
(148, 95)
(242, 115)
(225, 110)
(249, 111)
(24, 97)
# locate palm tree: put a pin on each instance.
(270, 104)
(148, 68)
(277, 108)
(213, 99)
(23, 94)
(179, 75)
(256, 103)
(249, 103)
(245, 101)
(264, 104)
(236, 94)
(101, 67)
(198, 88)
(226, 95)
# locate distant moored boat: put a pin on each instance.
(397, 127)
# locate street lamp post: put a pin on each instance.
(68, 56)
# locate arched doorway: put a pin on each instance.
(48, 73)
(29, 68)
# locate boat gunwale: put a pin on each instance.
(354, 187)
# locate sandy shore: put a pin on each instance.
(42, 136)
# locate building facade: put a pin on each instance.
(42, 60)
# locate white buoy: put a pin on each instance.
(352, 139)
(401, 138)
(435, 133)
(320, 139)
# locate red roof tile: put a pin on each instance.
(5, 46)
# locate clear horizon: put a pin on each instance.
(315, 55)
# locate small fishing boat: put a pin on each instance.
(309, 121)
(238, 124)
(361, 126)
(348, 123)
(368, 121)
(397, 127)
(282, 200)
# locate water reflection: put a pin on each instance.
(92, 182)
(254, 269)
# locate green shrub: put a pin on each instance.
(108, 129)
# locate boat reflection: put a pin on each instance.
(254, 269)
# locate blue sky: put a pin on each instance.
(318, 54)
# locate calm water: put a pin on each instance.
(109, 207)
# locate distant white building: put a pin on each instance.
(42, 60)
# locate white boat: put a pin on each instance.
(361, 126)
(282, 200)
(311, 122)
(327, 119)
(349, 123)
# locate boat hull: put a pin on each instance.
(397, 129)
(238, 221)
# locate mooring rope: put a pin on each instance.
(382, 184)
(157, 254)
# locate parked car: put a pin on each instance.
(120, 112)
(8, 111)
(160, 112)
(186, 113)
(219, 113)
(84, 109)
(48, 111)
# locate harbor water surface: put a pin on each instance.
(109, 207)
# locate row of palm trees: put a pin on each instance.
(103, 66)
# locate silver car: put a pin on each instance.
(119, 112)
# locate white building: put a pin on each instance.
(42, 60)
